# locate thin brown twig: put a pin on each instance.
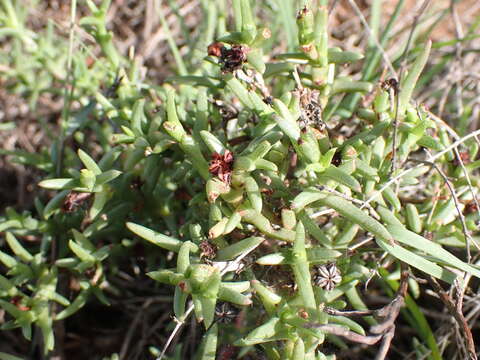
(374, 38)
(384, 331)
(347, 334)
(458, 315)
(433, 159)
(349, 198)
(131, 329)
(469, 181)
(468, 238)
(459, 159)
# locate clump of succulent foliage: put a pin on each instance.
(273, 191)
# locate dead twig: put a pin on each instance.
(468, 238)
(456, 312)
(432, 159)
(384, 331)
(351, 199)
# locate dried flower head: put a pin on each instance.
(73, 200)
(222, 165)
(470, 208)
(327, 276)
(390, 84)
(208, 249)
(232, 59)
(225, 313)
(311, 111)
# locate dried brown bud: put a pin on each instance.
(390, 84)
(306, 48)
(209, 250)
(73, 200)
(232, 59)
(222, 165)
(215, 49)
(470, 208)
(302, 13)
(303, 314)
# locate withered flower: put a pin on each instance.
(311, 110)
(208, 249)
(222, 165)
(73, 200)
(390, 84)
(225, 313)
(470, 208)
(232, 59)
(327, 276)
(215, 49)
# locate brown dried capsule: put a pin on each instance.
(303, 314)
(73, 200)
(337, 158)
(222, 165)
(215, 49)
(225, 313)
(470, 207)
(390, 84)
(208, 249)
(232, 59)
(327, 276)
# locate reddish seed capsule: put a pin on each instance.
(215, 49)
(303, 314)
(470, 208)
(232, 59)
(222, 166)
